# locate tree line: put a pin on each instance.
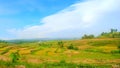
(112, 34)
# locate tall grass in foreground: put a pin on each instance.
(61, 64)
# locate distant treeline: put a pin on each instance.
(112, 34)
(3, 41)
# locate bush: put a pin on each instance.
(119, 46)
(62, 61)
(115, 51)
(72, 47)
(15, 56)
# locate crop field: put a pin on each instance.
(85, 53)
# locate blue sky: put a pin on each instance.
(23, 19)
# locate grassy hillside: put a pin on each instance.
(85, 53)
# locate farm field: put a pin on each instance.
(84, 53)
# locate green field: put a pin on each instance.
(85, 53)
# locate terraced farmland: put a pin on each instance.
(88, 53)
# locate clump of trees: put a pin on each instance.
(2, 41)
(88, 36)
(112, 34)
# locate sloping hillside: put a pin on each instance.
(93, 52)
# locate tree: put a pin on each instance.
(112, 34)
(103, 33)
(113, 30)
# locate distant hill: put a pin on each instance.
(18, 41)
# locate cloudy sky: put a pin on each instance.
(24, 19)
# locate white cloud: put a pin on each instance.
(82, 15)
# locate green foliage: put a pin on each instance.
(2, 41)
(7, 64)
(112, 34)
(72, 47)
(113, 30)
(62, 61)
(88, 36)
(61, 64)
(60, 44)
(115, 51)
(45, 45)
(119, 46)
(14, 56)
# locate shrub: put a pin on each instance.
(119, 46)
(15, 56)
(62, 61)
(72, 47)
(115, 51)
